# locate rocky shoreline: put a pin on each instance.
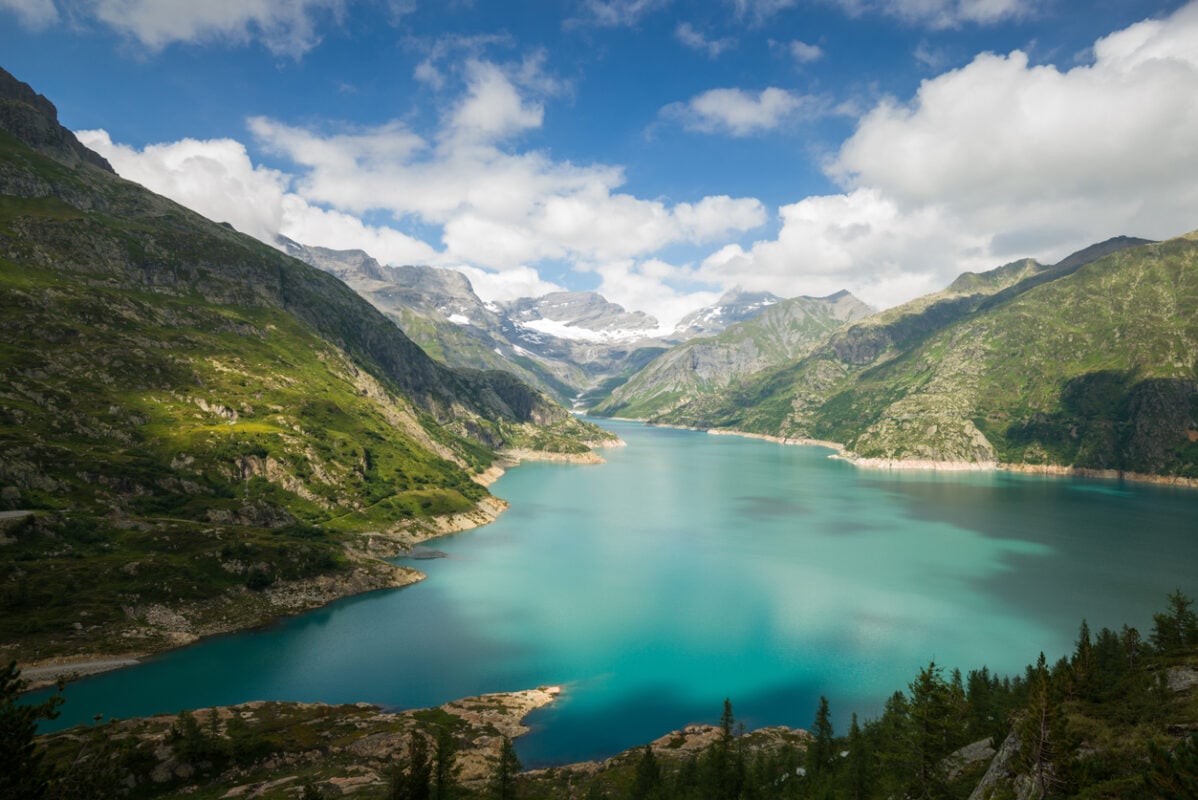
(929, 465)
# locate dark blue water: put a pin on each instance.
(690, 568)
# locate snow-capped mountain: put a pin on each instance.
(736, 305)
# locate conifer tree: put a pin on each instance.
(445, 771)
(1173, 775)
(503, 780)
(1039, 733)
(857, 779)
(934, 724)
(820, 751)
(22, 771)
(1176, 629)
(646, 783)
(727, 768)
(409, 777)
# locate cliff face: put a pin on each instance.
(1088, 363)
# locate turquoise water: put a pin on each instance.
(690, 568)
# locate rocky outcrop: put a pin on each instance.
(34, 120)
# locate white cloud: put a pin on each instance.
(649, 285)
(941, 14)
(997, 160)
(493, 107)
(285, 27)
(758, 11)
(215, 178)
(495, 214)
(33, 14)
(694, 39)
(615, 13)
(805, 53)
(735, 112)
(510, 284)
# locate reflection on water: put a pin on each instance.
(691, 568)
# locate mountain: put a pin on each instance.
(439, 310)
(778, 332)
(187, 414)
(734, 306)
(600, 344)
(1087, 364)
(581, 315)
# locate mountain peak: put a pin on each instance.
(33, 119)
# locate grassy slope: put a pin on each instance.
(1094, 368)
(193, 413)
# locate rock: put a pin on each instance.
(981, 750)
(1002, 778)
(1181, 679)
(342, 787)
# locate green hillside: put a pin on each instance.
(1089, 364)
(782, 332)
(189, 413)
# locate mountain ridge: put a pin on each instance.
(981, 379)
(780, 331)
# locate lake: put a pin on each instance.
(690, 568)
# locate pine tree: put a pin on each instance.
(1038, 733)
(1176, 629)
(503, 780)
(893, 747)
(409, 777)
(646, 783)
(934, 731)
(857, 781)
(821, 750)
(725, 765)
(1133, 646)
(445, 771)
(1173, 775)
(1081, 665)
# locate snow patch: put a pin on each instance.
(459, 319)
(579, 334)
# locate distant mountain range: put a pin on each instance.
(1081, 364)
(577, 346)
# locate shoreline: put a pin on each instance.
(928, 465)
(177, 627)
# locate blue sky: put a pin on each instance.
(656, 150)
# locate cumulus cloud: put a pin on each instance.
(454, 198)
(997, 160)
(735, 112)
(694, 39)
(493, 107)
(650, 284)
(805, 53)
(33, 14)
(285, 27)
(214, 177)
(218, 179)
